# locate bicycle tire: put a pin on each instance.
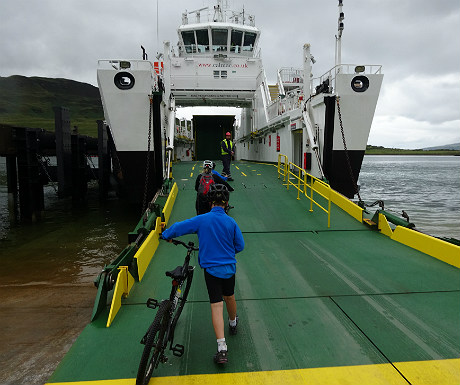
(154, 344)
(182, 301)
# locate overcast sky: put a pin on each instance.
(416, 41)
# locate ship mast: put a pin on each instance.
(219, 10)
(338, 37)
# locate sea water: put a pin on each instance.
(426, 187)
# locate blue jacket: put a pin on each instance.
(220, 176)
(219, 237)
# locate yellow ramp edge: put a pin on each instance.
(384, 226)
(170, 202)
(144, 255)
(442, 250)
(125, 282)
(438, 372)
(437, 248)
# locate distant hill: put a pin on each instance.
(29, 102)
(453, 146)
(379, 150)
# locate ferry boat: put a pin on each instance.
(328, 292)
(321, 123)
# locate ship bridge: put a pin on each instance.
(216, 61)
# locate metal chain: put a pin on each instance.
(45, 166)
(90, 161)
(350, 170)
(147, 167)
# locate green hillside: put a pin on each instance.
(379, 150)
(29, 102)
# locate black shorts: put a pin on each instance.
(217, 287)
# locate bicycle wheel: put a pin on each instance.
(182, 299)
(154, 345)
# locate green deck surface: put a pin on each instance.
(308, 296)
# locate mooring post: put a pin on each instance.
(79, 167)
(103, 160)
(12, 183)
(31, 197)
(63, 150)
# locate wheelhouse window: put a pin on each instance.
(220, 74)
(219, 40)
(249, 41)
(188, 38)
(236, 41)
(202, 40)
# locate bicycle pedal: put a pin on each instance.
(152, 303)
(178, 350)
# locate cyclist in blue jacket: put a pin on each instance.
(220, 239)
(217, 173)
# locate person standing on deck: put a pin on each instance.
(227, 151)
(220, 239)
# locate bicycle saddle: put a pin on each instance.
(177, 273)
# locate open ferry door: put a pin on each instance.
(297, 146)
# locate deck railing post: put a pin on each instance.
(279, 164)
(305, 183)
(298, 186)
(311, 195)
(287, 174)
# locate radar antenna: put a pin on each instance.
(338, 37)
(196, 11)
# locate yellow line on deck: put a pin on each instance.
(243, 173)
(444, 372)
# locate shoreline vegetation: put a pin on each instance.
(379, 150)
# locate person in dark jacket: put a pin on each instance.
(227, 151)
(220, 239)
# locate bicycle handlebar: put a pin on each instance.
(189, 246)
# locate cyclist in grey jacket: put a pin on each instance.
(220, 239)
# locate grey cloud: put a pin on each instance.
(415, 41)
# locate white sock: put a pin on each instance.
(232, 322)
(221, 344)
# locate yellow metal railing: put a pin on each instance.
(306, 184)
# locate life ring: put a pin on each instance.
(124, 80)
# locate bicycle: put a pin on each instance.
(161, 331)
